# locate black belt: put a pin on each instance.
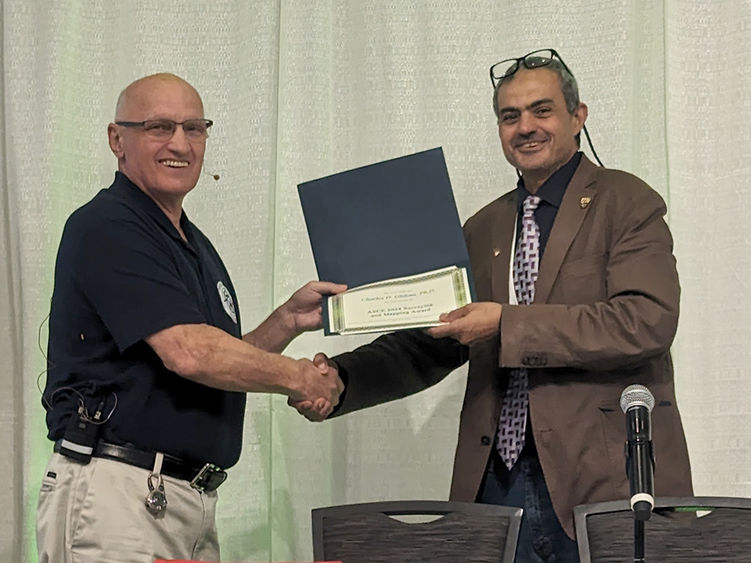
(202, 478)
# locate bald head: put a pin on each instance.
(136, 95)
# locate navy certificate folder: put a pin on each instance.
(387, 220)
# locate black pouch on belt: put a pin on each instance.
(79, 438)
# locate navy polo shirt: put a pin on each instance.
(122, 274)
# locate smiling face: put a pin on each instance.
(165, 169)
(538, 134)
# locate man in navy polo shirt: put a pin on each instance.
(148, 368)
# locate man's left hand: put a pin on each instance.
(304, 305)
(300, 313)
(471, 324)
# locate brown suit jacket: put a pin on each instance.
(604, 316)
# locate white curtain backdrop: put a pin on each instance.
(300, 89)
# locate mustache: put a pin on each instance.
(532, 138)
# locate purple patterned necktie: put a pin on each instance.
(512, 425)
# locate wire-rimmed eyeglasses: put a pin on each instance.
(194, 129)
(535, 59)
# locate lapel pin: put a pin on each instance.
(496, 252)
(584, 201)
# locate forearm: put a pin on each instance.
(300, 313)
(212, 357)
(275, 333)
(395, 366)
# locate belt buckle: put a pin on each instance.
(208, 478)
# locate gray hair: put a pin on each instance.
(568, 85)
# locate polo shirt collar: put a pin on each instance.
(123, 188)
(554, 187)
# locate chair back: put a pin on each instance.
(686, 529)
(371, 533)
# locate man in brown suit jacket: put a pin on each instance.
(604, 315)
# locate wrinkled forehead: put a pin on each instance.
(159, 96)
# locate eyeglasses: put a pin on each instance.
(163, 129)
(535, 59)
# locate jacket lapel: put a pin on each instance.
(501, 246)
(574, 207)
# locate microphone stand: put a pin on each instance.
(637, 403)
(638, 540)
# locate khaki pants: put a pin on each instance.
(95, 513)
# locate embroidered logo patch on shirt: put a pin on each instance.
(227, 303)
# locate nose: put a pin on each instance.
(179, 141)
(527, 123)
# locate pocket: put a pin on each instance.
(582, 281)
(614, 439)
(584, 266)
(110, 505)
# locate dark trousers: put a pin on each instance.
(541, 538)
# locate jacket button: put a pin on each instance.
(535, 360)
(485, 440)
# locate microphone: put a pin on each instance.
(215, 176)
(637, 403)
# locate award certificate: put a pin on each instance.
(400, 303)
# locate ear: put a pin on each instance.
(580, 116)
(116, 141)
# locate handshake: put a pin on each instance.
(318, 388)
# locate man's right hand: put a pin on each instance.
(317, 410)
(319, 389)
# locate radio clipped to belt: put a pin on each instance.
(82, 431)
(81, 434)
